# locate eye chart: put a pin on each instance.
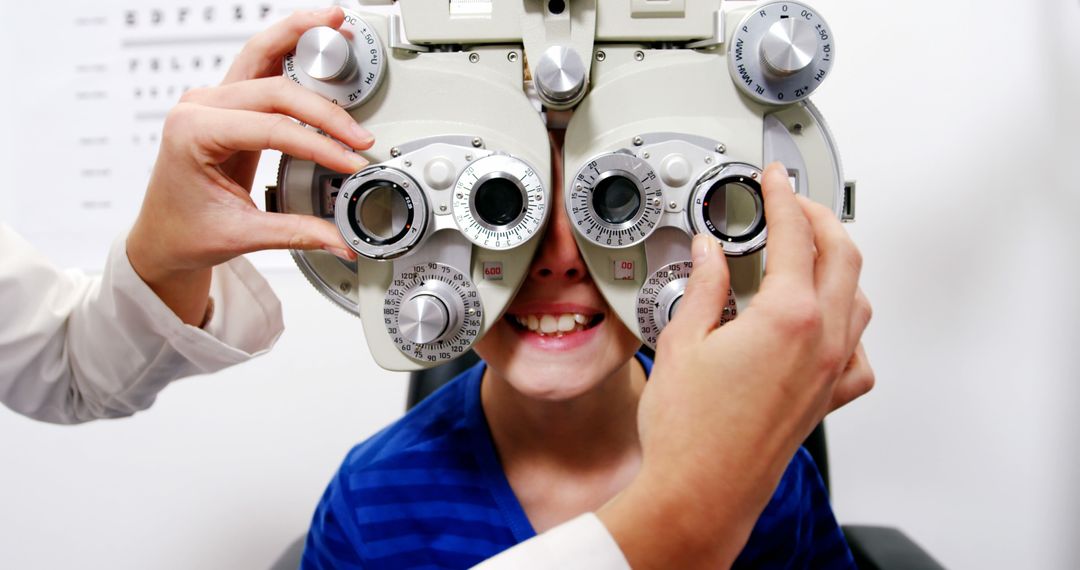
(88, 87)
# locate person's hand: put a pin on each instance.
(197, 212)
(726, 408)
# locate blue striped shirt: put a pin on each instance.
(429, 492)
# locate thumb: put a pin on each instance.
(706, 293)
(268, 230)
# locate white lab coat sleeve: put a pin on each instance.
(583, 543)
(75, 348)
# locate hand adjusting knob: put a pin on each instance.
(560, 76)
(788, 47)
(668, 301)
(346, 66)
(424, 318)
(324, 54)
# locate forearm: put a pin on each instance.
(661, 522)
(185, 291)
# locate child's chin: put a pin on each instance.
(552, 384)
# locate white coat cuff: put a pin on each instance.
(246, 321)
(582, 543)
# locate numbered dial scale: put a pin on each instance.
(346, 65)
(659, 298)
(781, 52)
(499, 202)
(616, 200)
(432, 312)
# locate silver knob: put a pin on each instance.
(788, 47)
(324, 54)
(668, 301)
(560, 75)
(424, 318)
(673, 308)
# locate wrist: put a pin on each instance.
(185, 291)
(660, 521)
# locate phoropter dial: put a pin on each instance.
(381, 212)
(499, 202)
(432, 312)
(728, 203)
(616, 200)
(781, 52)
(344, 65)
(659, 298)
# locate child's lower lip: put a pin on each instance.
(553, 342)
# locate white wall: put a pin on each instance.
(959, 121)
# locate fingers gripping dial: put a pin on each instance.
(499, 202)
(345, 65)
(781, 52)
(659, 299)
(432, 312)
(616, 200)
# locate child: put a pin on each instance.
(541, 431)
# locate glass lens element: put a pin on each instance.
(616, 199)
(732, 209)
(498, 201)
(383, 211)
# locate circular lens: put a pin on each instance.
(733, 208)
(499, 201)
(616, 199)
(383, 211)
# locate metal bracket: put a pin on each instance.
(574, 28)
(398, 40)
(717, 38)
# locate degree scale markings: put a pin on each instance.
(406, 283)
(534, 201)
(648, 299)
(582, 210)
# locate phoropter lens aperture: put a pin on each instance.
(499, 201)
(381, 212)
(616, 199)
(734, 210)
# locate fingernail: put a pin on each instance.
(342, 253)
(701, 248)
(325, 12)
(362, 135)
(358, 162)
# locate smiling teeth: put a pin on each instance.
(557, 325)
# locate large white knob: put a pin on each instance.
(424, 318)
(788, 47)
(781, 52)
(324, 54)
(346, 66)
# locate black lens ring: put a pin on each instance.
(499, 183)
(759, 199)
(362, 192)
(603, 185)
(500, 176)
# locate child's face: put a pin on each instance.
(559, 338)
